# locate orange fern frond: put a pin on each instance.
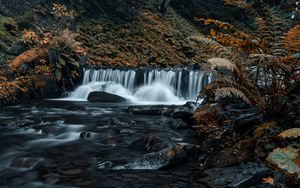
(232, 92)
(214, 46)
(224, 63)
(291, 39)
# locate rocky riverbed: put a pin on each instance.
(51, 143)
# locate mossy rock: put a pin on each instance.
(8, 32)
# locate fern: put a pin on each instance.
(222, 62)
(231, 92)
(271, 28)
(242, 5)
(291, 39)
(214, 46)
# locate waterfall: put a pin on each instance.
(170, 86)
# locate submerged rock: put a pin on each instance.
(148, 142)
(25, 162)
(100, 96)
(177, 124)
(240, 176)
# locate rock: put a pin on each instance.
(243, 118)
(17, 48)
(121, 124)
(49, 129)
(51, 178)
(148, 142)
(100, 96)
(126, 131)
(185, 116)
(243, 175)
(195, 152)
(71, 172)
(27, 123)
(247, 120)
(177, 124)
(149, 111)
(104, 165)
(168, 157)
(25, 162)
(85, 135)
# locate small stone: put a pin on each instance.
(104, 165)
(72, 172)
(84, 135)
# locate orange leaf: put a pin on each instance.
(27, 57)
(268, 180)
(212, 32)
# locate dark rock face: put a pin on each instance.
(100, 96)
(243, 118)
(240, 176)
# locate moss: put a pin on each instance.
(148, 40)
(8, 32)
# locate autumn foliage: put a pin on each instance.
(28, 56)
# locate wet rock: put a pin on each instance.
(149, 111)
(49, 129)
(71, 172)
(243, 118)
(85, 135)
(25, 162)
(121, 124)
(243, 175)
(104, 165)
(168, 157)
(148, 142)
(127, 131)
(52, 178)
(100, 96)
(7, 122)
(28, 123)
(185, 116)
(177, 124)
(195, 152)
(244, 121)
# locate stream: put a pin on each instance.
(42, 144)
(71, 142)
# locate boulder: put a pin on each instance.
(168, 157)
(100, 96)
(187, 117)
(243, 175)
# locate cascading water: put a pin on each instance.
(143, 86)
